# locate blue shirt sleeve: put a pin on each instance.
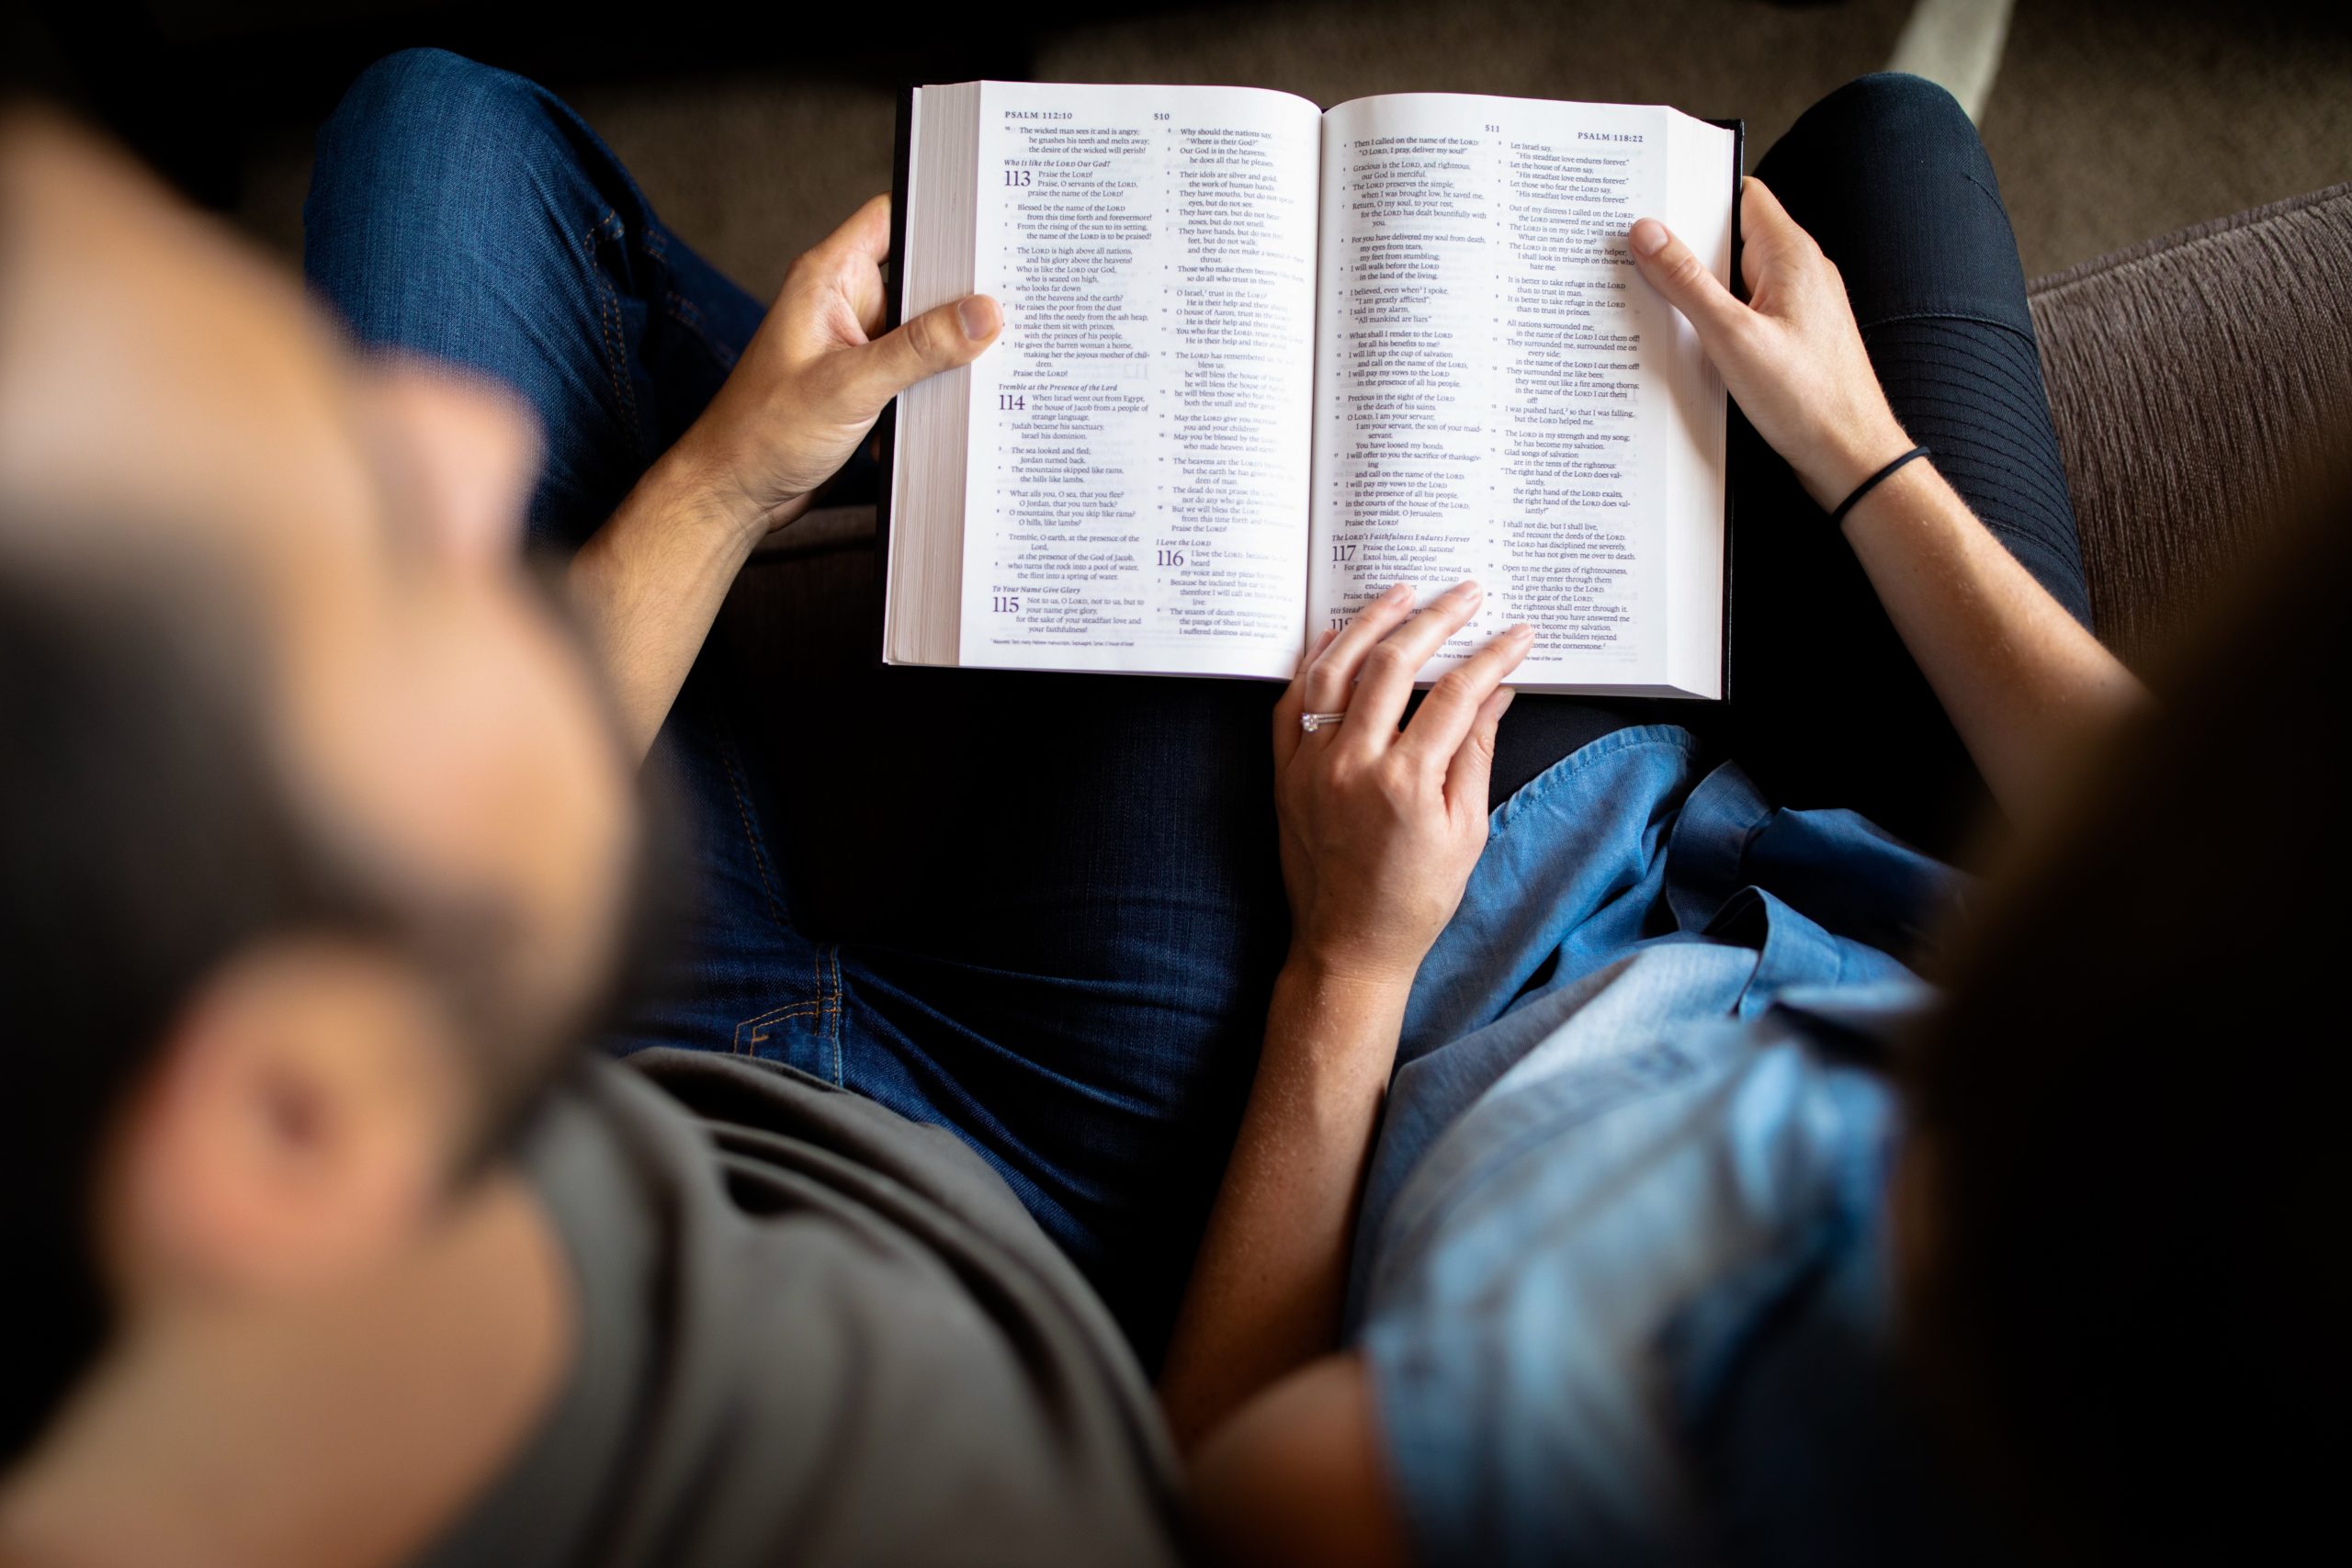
(1547, 1334)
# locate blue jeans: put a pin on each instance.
(1066, 913)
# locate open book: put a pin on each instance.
(1261, 361)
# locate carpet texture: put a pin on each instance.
(2111, 120)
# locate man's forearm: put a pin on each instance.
(650, 582)
(1265, 1294)
(2023, 682)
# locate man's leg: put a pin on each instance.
(1071, 907)
(1081, 915)
(1828, 709)
(466, 214)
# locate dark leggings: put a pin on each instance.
(1826, 706)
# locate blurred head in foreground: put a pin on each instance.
(315, 836)
(2120, 1203)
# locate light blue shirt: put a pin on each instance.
(1620, 1280)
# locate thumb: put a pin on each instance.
(1675, 271)
(940, 339)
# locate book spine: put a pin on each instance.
(1739, 129)
(886, 430)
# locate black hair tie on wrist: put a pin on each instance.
(1871, 483)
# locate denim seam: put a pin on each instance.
(833, 954)
(1670, 736)
(680, 308)
(608, 313)
(750, 835)
(758, 1024)
(682, 311)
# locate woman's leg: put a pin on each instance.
(1827, 708)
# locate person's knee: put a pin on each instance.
(427, 138)
(1854, 159)
(433, 169)
(1888, 103)
(432, 102)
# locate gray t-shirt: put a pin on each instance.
(813, 1332)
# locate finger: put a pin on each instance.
(1454, 702)
(1332, 676)
(937, 340)
(1470, 773)
(1389, 670)
(1293, 701)
(1675, 272)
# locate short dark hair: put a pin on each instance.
(148, 835)
(2134, 1281)
(143, 840)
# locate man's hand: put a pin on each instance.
(815, 377)
(1380, 827)
(811, 384)
(1792, 357)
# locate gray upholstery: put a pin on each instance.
(2190, 378)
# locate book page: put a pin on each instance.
(1501, 397)
(1139, 449)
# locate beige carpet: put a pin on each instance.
(2108, 120)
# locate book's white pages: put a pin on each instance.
(1261, 361)
(1132, 492)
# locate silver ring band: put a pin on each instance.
(1311, 722)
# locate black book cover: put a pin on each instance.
(894, 291)
(1739, 129)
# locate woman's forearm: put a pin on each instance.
(2022, 682)
(1265, 1294)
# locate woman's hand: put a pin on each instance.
(2020, 679)
(814, 378)
(1792, 357)
(1380, 830)
(1380, 827)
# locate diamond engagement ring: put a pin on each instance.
(1311, 722)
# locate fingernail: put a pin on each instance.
(1403, 591)
(1522, 631)
(979, 316)
(1463, 591)
(1649, 237)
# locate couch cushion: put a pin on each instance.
(2190, 378)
